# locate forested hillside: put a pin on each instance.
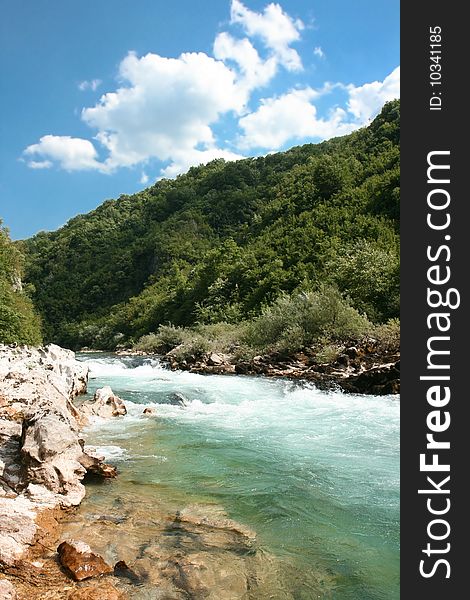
(19, 323)
(225, 240)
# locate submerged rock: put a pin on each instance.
(103, 591)
(105, 404)
(121, 569)
(80, 561)
(177, 399)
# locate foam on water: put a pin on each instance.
(315, 473)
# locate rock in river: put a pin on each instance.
(105, 404)
(80, 561)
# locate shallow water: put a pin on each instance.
(314, 474)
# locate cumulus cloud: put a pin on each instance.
(71, 154)
(294, 116)
(144, 178)
(254, 72)
(366, 100)
(166, 109)
(288, 117)
(319, 52)
(274, 27)
(93, 85)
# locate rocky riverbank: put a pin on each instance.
(362, 368)
(140, 547)
(43, 460)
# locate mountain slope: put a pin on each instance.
(221, 241)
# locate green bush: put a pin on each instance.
(388, 336)
(327, 354)
(297, 321)
(195, 348)
(223, 337)
(166, 338)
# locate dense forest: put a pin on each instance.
(227, 242)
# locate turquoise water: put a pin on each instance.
(315, 474)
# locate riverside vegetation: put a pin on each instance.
(292, 252)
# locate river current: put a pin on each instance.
(315, 474)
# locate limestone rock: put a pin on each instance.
(105, 405)
(39, 440)
(7, 591)
(51, 453)
(17, 527)
(95, 464)
(80, 561)
(215, 359)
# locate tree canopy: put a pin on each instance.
(19, 322)
(225, 240)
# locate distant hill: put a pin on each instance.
(225, 239)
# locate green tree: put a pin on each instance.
(19, 322)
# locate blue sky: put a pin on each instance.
(103, 97)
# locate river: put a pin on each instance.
(315, 474)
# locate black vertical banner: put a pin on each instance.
(435, 317)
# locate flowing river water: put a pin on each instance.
(315, 474)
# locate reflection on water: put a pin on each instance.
(314, 474)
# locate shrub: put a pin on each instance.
(297, 321)
(194, 348)
(388, 336)
(166, 338)
(223, 337)
(327, 354)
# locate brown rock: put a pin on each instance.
(215, 359)
(81, 562)
(148, 411)
(95, 465)
(103, 591)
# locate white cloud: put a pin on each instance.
(288, 117)
(40, 164)
(72, 154)
(293, 116)
(366, 100)
(93, 85)
(276, 29)
(319, 52)
(144, 178)
(166, 109)
(254, 71)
